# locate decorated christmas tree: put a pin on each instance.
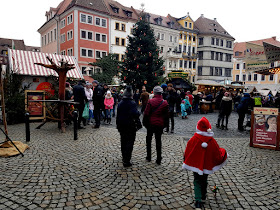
(142, 64)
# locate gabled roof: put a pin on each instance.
(211, 27)
(186, 16)
(165, 21)
(241, 46)
(95, 5)
(180, 27)
(122, 10)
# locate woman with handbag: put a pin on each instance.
(155, 119)
(127, 124)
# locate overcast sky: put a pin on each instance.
(245, 20)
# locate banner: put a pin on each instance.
(272, 52)
(255, 57)
(265, 126)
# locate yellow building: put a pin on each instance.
(188, 46)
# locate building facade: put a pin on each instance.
(215, 51)
(248, 77)
(77, 28)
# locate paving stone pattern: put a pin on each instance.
(60, 173)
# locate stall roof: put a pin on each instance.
(208, 82)
(22, 62)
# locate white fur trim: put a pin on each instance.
(203, 133)
(209, 130)
(205, 171)
(204, 145)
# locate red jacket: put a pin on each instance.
(159, 117)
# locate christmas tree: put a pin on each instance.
(142, 64)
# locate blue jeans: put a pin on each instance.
(108, 113)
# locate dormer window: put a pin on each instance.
(128, 13)
(171, 24)
(158, 20)
(215, 29)
(186, 24)
(115, 9)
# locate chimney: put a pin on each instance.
(202, 15)
(274, 37)
(215, 19)
(188, 14)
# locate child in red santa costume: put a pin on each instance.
(203, 156)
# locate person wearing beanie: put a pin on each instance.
(203, 156)
(109, 103)
(155, 119)
(79, 96)
(225, 110)
(127, 114)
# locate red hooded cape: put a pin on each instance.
(204, 160)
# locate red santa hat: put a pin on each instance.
(204, 127)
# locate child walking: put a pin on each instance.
(109, 103)
(183, 110)
(203, 156)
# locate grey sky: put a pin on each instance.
(245, 20)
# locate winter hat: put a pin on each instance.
(95, 81)
(183, 101)
(204, 127)
(226, 94)
(157, 90)
(128, 93)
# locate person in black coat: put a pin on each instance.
(79, 96)
(171, 97)
(98, 102)
(126, 113)
(225, 110)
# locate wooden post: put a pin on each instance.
(3, 101)
(61, 92)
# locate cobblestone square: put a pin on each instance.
(60, 173)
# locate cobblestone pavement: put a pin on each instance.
(60, 173)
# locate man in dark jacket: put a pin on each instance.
(98, 102)
(115, 96)
(79, 96)
(242, 108)
(127, 113)
(171, 99)
(157, 114)
(225, 110)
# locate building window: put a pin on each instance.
(216, 71)
(244, 65)
(70, 52)
(244, 78)
(86, 53)
(193, 50)
(162, 37)
(220, 72)
(255, 77)
(83, 34)
(97, 21)
(272, 65)
(186, 24)
(45, 39)
(212, 41)
(181, 36)
(175, 39)
(228, 57)
(123, 42)
(104, 23)
(228, 72)
(100, 37)
(62, 23)
(90, 35)
(236, 78)
(104, 38)
(181, 63)
(69, 19)
(222, 43)
(100, 54)
(62, 38)
(263, 78)
(217, 56)
(190, 25)
(42, 41)
(48, 38)
(190, 37)
(271, 77)
(200, 41)
(117, 26)
(117, 41)
(194, 38)
(51, 36)
(212, 55)
(63, 52)
(170, 38)
(200, 55)
(185, 37)
(249, 77)
(190, 64)
(69, 35)
(161, 49)
(229, 44)
(199, 71)
(86, 19)
(123, 27)
(211, 71)
(194, 65)
(217, 41)
(54, 34)
(237, 66)
(185, 49)
(221, 56)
